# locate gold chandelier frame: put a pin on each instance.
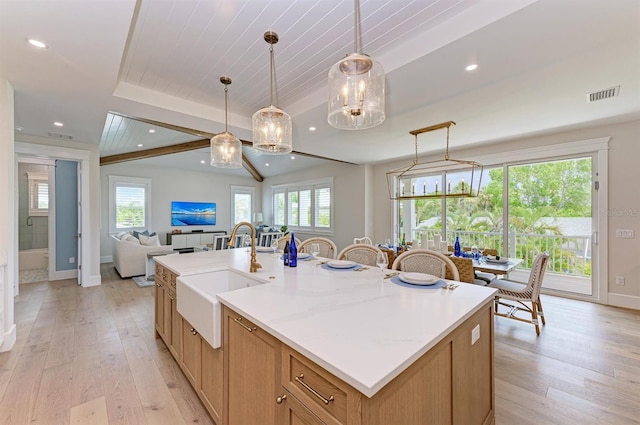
(401, 182)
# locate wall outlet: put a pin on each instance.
(72, 260)
(624, 233)
(619, 280)
(475, 334)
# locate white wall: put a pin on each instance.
(172, 184)
(349, 198)
(623, 208)
(7, 212)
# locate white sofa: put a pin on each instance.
(130, 258)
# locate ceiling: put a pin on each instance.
(161, 60)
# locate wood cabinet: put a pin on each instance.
(252, 372)
(200, 363)
(257, 379)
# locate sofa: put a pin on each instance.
(130, 255)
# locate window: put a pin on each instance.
(241, 203)
(129, 203)
(305, 206)
(38, 194)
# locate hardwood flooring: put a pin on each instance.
(89, 356)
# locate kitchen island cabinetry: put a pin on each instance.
(252, 378)
(310, 346)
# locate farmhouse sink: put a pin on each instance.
(199, 305)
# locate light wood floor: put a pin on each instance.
(89, 356)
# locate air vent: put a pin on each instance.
(60, 136)
(603, 94)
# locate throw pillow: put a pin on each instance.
(145, 233)
(130, 239)
(121, 235)
(149, 240)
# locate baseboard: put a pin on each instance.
(626, 301)
(94, 280)
(9, 339)
(65, 274)
(106, 259)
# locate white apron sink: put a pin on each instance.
(199, 305)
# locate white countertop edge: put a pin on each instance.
(368, 391)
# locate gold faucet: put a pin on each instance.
(254, 264)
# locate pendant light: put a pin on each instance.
(226, 149)
(272, 125)
(356, 88)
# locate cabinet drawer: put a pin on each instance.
(170, 278)
(159, 273)
(320, 391)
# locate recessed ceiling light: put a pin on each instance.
(293, 157)
(140, 145)
(472, 67)
(58, 124)
(37, 43)
(266, 165)
(202, 161)
(152, 131)
(312, 129)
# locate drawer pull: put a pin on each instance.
(281, 399)
(300, 378)
(194, 332)
(239, 321)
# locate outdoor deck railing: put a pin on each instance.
(567, 254)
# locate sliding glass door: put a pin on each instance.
(550, 210)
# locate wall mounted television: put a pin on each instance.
(193, 213)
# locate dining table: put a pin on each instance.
(487, 266)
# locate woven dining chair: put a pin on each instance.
(465, 270)
(360, 253)
(517, 294)
(328, 249)
(283, 241)
(426, 261)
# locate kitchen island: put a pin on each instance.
(326, 346)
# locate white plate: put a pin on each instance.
(264, 249)
(419, 278)
(304, 255)
(341, 264)
(502, 260)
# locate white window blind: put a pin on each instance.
(38, 194)
(130, 206)
(129, 203)
(279, 208)
(306, 206)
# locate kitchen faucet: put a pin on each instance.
(254, 264)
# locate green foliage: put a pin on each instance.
(130, 215)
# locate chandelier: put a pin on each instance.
(445, 178)
(356, 88)
(226, 149)
(272, 125)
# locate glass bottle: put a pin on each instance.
(293, 252)
(456, 247)
(285, 254)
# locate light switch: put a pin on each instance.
(475, 334)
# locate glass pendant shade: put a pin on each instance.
(356, 93)
(272, 130)
(226, 151)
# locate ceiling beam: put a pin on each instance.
(190, 146)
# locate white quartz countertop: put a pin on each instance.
(363, 330)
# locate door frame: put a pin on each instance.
(26, 150)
